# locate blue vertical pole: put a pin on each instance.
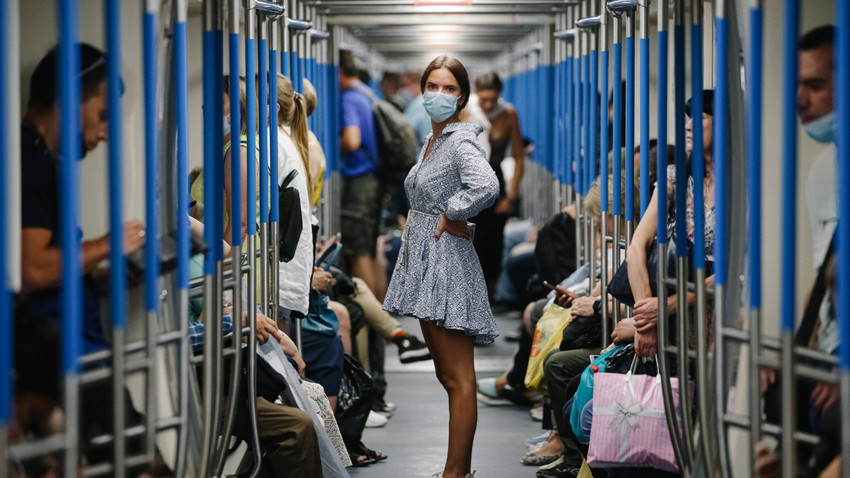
(251, 131)
(274, 181)
(603, 131)
(576, 121)
(593, 106)
(842, 60)
(218, 150)
(71, 297)
(117, 275)
(754, 121)
(617, 138)
(69, 94)
(567, 119)
(644, 124)
(211, 219)
(630, 120)
(661, 189)
(585, 169)
(6, 323)
(151, 29)
(679, 123)
(842, 103)
(235, 149)
(264, 109)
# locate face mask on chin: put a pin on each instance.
(822, 129)
(439, 106)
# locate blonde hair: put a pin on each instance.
(593, 201)
(310, 96)
(293, 113)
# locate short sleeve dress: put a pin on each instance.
(441, 281)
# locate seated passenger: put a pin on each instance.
(41, 256)
(646, 305)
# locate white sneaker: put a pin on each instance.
(376, 420)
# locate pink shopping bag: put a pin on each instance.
(629, 426)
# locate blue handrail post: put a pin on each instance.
(117, 274)
(754, 167)
(183, 247)
(629, 133)
(842, 62)
(150, 59)
(71, 298)
(6, 321)
(791, 29)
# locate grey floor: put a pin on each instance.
(416, 437)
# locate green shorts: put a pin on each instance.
(360, 215)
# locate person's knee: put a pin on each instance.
(343, 316)
(458, 384)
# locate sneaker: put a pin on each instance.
(554, 464)
(384, 408)
(376, 420)
(561, 471)
(411, 349)
(538, 440)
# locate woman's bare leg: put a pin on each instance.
(453, 354)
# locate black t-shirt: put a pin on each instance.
(40, 209)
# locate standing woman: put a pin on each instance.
(438, 278)
(504, 130)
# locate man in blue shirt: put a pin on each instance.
(361, 195)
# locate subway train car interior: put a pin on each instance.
(474, 218)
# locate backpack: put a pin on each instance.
(289, 205)
(397, 146)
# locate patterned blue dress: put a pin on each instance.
(441, 281)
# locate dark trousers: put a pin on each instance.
(96, 419)
(559, 368)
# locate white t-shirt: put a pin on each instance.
(823, 217)
(295, 275)
(821, 202)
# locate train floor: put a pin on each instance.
(416, 437)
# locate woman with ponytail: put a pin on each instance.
(293, 155)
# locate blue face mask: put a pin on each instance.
(226, 125)
(439, 106)
(822, 129)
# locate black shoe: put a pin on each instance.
(411, 349)
(561, 471)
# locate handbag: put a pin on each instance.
(583, 399)
(356, 394)
(320, 317)
(629, 426)
(547, 336)
(289, 205)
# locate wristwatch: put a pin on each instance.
(597, 308)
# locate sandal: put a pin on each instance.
(373, 455)
(359, 460)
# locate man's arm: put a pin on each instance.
(350, 139)
(41, 264)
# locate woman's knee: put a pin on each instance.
(342, 314)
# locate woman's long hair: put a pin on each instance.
(293, 113)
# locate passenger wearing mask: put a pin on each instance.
(415, 112)
(437, 278)
(504, 130)
(815, 103)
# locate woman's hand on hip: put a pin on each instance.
(455, 228)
